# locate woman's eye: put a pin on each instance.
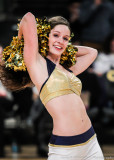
(66, 39)
(55, 35)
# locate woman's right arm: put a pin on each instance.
(33, 60)
(28, 29)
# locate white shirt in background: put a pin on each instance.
(103, 63)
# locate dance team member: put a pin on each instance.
(73, 137)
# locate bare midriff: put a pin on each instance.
(69, 115)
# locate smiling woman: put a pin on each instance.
(73, 136)
(58, 41)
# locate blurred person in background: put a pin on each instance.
(24, 100)
(6, 104)
(97, 19)
(8, 100)
(2, 117)
(72, 15)
(97, 82)
(103, 64)
(105, 59)
(101, 102)
(41, 121)
(2, 94)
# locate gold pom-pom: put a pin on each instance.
(69, 56)
(43, 30)
(13, 54)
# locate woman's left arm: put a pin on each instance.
(85, 57)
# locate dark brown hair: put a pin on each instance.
(14, 80)
(54, 21)
(19, 80)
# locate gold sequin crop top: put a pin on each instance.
(58, 83)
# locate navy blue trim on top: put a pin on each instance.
(50, 67)
(62, 65)
(72, 140)
(43, 85)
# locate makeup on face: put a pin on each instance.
(58, 39)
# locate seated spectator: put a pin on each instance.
(42, 122)
(103, 63)
(5, 105)
(105, 59)
(72, 14)
(97, 19)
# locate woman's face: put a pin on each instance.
(58, 39)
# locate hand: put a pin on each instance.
(90, 70)
(97, 2)
(99, 74)
(2, 93)
(23, 23)
(74, 17)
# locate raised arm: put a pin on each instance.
(33, 60)
(85, 58)
(28, 29)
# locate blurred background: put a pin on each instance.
(25, 125)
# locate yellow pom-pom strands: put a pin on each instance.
(13, 54)
(43, 30)
(69, 56)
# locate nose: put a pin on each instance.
(60, 40)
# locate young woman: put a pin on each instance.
(73, 136)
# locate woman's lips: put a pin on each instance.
(58, 47)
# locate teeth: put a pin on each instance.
(58, 47)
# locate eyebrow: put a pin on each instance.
(60, 32)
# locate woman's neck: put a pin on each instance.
(54, 59)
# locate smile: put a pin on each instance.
(58, 47)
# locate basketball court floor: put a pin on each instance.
(28, 152)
